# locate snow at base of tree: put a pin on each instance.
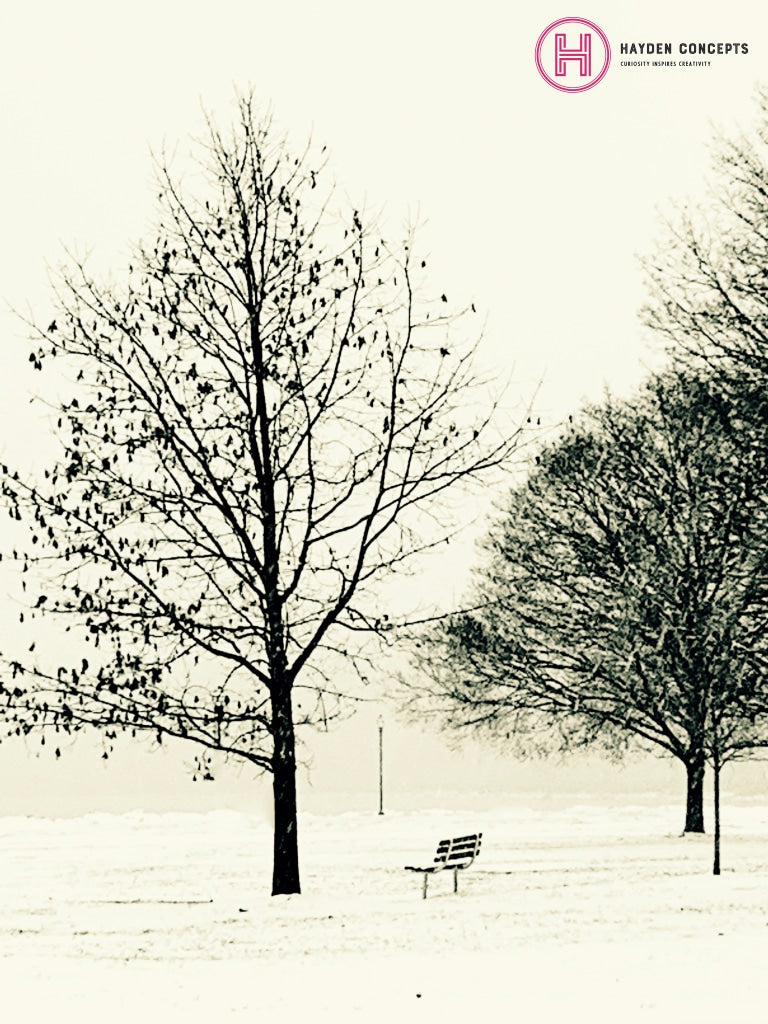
(578, 910)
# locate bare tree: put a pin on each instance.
(707, 294)
(624, 595)
(264, 422)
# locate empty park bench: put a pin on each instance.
(455, 854)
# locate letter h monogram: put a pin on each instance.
(583, 55)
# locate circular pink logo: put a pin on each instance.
(573, 54)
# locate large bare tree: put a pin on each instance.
(624, 593)
(264, 422)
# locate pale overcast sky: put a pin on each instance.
(536, 204)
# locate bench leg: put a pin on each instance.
(455, 879)
(424, 887)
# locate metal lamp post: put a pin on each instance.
(380, 723)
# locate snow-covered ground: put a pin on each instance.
(575, 911)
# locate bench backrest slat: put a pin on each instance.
(458, 852)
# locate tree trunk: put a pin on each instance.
(285, 864)
(694, 806)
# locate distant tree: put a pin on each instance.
(263, 422)
(624, 594)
